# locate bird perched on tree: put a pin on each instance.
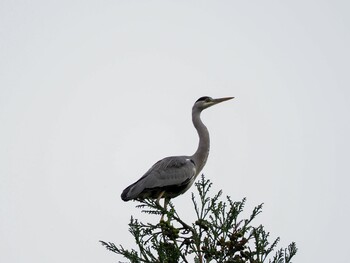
(174, 175)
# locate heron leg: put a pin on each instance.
(159, 197)
(166, 202)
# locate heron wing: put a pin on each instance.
(171, 171)
(172, 174)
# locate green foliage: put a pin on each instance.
(217, 235)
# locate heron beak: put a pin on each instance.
(216, 101)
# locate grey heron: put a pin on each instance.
(173, 176)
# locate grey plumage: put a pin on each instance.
(174, 175)
(171, 174)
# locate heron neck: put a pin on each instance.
(201, 155)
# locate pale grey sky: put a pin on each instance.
(92, 93)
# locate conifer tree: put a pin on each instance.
(218, 234)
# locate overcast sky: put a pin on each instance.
(92, 93)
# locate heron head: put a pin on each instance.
(206, 102)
